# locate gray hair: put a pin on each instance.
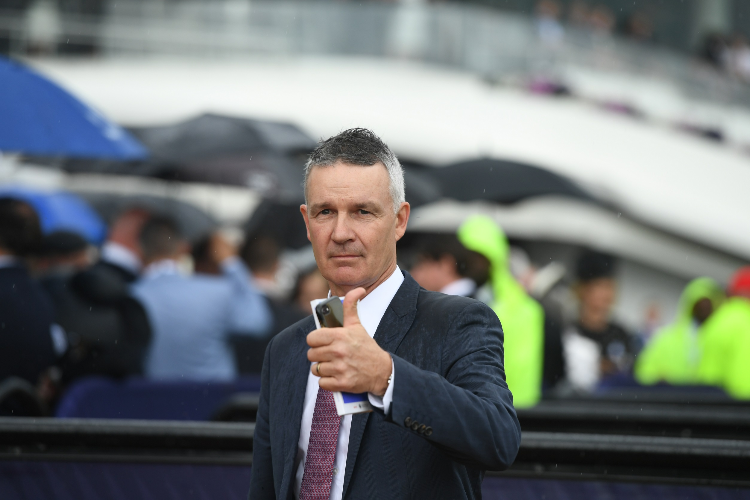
(359, 146)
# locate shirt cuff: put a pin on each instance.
(384, 403)
(59, 339)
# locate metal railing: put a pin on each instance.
(543, 455)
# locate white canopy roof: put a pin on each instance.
(668, 179)
(566, 220)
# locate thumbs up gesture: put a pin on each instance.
(347, 358)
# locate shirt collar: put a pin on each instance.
(164, 267)
(463, 287)
(120, 255)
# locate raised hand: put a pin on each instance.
(348, 359)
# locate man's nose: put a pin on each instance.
(342, 232)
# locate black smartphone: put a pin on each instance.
(330, 313)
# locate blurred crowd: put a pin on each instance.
(551, 20)
(561, 337)
(727, 52)
(147, 303)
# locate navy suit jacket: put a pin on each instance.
(451, 417)
(26, 318)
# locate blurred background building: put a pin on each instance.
(607, 142)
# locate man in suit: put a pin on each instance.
(108, 330)
(30, 341)
(432, 364)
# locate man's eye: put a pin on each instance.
(364, 212)
(325, 211)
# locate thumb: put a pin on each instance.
(350, 306)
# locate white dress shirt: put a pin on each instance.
(120, 255)
(582, 356)
(370, 310)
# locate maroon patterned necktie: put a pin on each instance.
(321, 450)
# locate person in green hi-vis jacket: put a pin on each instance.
(673, 353)
(522, 318)
(725, 341)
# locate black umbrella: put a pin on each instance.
(421, 185)
(266, 156)
(214, 136)
(274, 176)
(281, 221)
(503, 182)
(194, 222)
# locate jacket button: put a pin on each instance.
(415, 425)
(422, 428)
(428, 431)
(407, 421)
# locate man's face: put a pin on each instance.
(598, 294)
(351, 225)
(702, 310)
(435, 274)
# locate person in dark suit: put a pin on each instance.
(431, 364)
(30, 342)
(108, 330)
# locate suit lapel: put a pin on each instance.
(399, 316)
(294, 377)
(391, 331)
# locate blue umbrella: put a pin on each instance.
(60, 210)
(39, 118)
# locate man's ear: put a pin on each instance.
(402, 218)
(448, 262)
(303, 211)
